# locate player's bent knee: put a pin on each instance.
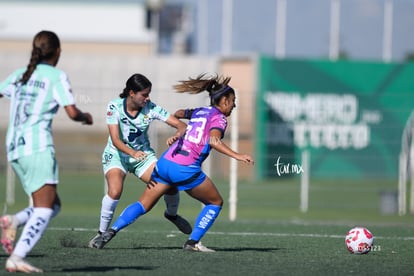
(217, 202)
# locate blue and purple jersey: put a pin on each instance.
(194, 147)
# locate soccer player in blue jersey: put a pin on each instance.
(128, 149)
(35, 94)
(180, 165)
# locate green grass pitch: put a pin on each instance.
(269, 237)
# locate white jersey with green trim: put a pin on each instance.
(33, 107)
(133, 131)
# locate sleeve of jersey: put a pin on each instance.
(7, 86)
(218, 121)
(63, 90)
(159, 113)
(112, 114)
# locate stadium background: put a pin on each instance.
(98, 65)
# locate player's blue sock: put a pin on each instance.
(129, 215)
(204, 221)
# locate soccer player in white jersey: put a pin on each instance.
(129, 151)
(35, 94)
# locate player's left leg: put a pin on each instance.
(208, 194)
(33, 229)
(32, 171)
(172, 200)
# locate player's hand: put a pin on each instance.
(246, 159)
(88, 119)
(151, 184)
(172, 139)
(139, 155)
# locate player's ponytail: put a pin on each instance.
(216, 86)
(45, 48)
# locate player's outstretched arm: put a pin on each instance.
(75, 114)
(217, 144)
(179, 114)
(179, 125)
(183, 113)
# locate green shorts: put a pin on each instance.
(36, 170)
(115, 159)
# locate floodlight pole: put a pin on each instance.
(202, 27)
(387, 38)
(233, 165)
(334, 29)
(227, 27)
(10, 185)
(280, 42)
(155, 6)
(402, 182)
(304, 183)
(411, 169)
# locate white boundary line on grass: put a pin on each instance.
(306, 235)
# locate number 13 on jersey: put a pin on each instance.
(195, 130)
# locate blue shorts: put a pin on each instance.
(181, 176)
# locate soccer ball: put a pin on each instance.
(359, 240)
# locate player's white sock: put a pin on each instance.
(107, 212)
(172, 202)
(32, 231)
(24, 215)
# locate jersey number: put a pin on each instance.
(22, 114)
(195, 130)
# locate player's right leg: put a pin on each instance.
(115, 179)
(131, 213)
(115, 173)
(17, 264)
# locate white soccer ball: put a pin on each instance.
(359, 240)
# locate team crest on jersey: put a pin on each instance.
(110, 111)
(146, 119)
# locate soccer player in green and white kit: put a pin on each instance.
(35, 94)
(129, 151)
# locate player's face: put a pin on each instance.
(229, 104)
(141, 97)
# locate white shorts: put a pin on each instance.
(115, 159)
(36, 170)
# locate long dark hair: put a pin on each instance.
(216, 86)
(136, 82)
(45, 47)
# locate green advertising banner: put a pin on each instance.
(348, 115)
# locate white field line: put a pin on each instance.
(257, 234)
